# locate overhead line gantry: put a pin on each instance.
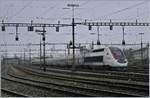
(73, 24)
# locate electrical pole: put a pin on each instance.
(73, 31)
(98, 41)
(40, 51)
(30, 56)
(24, 56)
(43, 38)
(141, 47)
(123, 41)
(44, 49)
(40, 48)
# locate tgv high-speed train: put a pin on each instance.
(99, 56)
(106, 56)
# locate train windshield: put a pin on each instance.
(117, 53)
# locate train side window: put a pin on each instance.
(99, 50)
(94, 59)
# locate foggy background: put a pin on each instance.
(52, 11)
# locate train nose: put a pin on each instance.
(122, 60)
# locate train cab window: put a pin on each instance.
(98, 50)
(117, 53)
(94, 59)
(107, 53)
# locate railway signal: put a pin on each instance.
(141, 47)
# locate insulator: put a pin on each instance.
(111, 27)
(3, 28)
(57, 29)
(123, 42)
(30, 28)
(90, 27)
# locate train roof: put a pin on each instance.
(99, 47)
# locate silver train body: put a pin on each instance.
(100, 56)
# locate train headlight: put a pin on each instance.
(125, 61)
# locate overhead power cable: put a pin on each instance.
(18, 12)
(127, 8)
(49, 9)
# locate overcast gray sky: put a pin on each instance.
(51, 11)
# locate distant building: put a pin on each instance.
(136, 54)
(10, 61)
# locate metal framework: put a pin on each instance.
(33, 24)
(73, 24)
(78, 23)
(62, 44)
(114, 23)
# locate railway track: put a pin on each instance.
(105, 74)
(130, 69)
(87, 90)
(57, 90)
(139, 70)
(105, 88)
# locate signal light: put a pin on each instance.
(70, 43)
(3, 28)
(57, 29)
(43, 38)
(90, 27)
(123, 42)
(17, 38)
